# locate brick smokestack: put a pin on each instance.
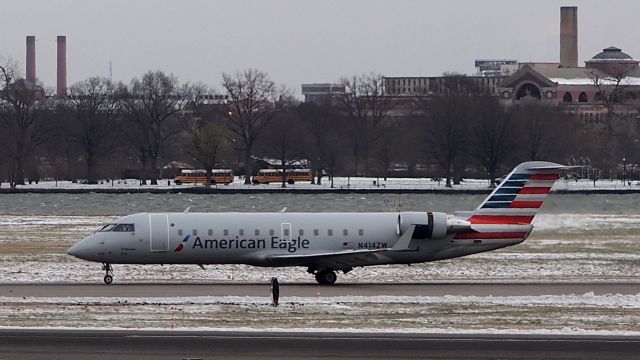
(569, 36)
(62, 67)
(31, 58)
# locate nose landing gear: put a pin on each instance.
(108, 278)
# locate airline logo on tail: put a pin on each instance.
(509, 211)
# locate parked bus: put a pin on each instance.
(218, 176)
(266, 176)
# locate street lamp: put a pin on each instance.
(624, 171)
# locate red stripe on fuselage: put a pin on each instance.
(544, 177)
(490, 235)
(525, 205)
(535, 190)
(501, 219)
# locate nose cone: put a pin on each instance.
(81, 249)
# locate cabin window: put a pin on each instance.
(241, 232)
(210, 232)
(124, 228)
(271, 232)
(301, 232)
(194, 232)
(315, 232)
(330, 232)
(256, 232)
(285, 232)
(179, 232)
(345, 232)
(361, 232)
(225, 232)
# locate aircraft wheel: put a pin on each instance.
(326, 277)
(108, 279)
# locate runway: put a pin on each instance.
(110, 344)
(313, 290)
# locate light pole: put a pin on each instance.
(624, 171)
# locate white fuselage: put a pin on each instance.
(268, 239)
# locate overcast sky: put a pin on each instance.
(298, 41)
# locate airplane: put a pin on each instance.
(325, 243)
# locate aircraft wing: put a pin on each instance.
(336, 259)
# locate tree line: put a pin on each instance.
(155, 123)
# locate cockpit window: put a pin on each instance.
(108, 227)
(124, 228)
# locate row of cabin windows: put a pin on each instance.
(256, 232)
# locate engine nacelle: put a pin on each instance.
(430, 225)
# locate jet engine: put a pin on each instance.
(431, 225)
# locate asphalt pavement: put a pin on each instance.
(125, 344)
(313, 290)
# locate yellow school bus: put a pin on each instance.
(266, 176)
(199, 176)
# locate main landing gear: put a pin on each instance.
(323, 276)
(326, 277)
(108, 278)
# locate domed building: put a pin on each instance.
(610, 77)
(614, 62)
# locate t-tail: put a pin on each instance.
(507, 214)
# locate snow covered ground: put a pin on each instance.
(360, 183)
(564, 247)
(596, 240)
(566, 314)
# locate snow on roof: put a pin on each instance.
(590, 81)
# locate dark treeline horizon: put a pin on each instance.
(153, 126)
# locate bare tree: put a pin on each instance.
(22, 106)
(152, 105)
(254, 102)
(283, 140)
(96, 111)
(611, 93)
(493, 133)
(448, 116)
(367, 110)
(210, 143)
(613, 90)
(321, 123)
(543, 131)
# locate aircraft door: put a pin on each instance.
(285, 232)
(159, 232)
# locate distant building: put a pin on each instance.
(496, 67)
(321, 93)
(574, 88)
(404, 86)
(563, 84)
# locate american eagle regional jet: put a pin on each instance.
(325, 242)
